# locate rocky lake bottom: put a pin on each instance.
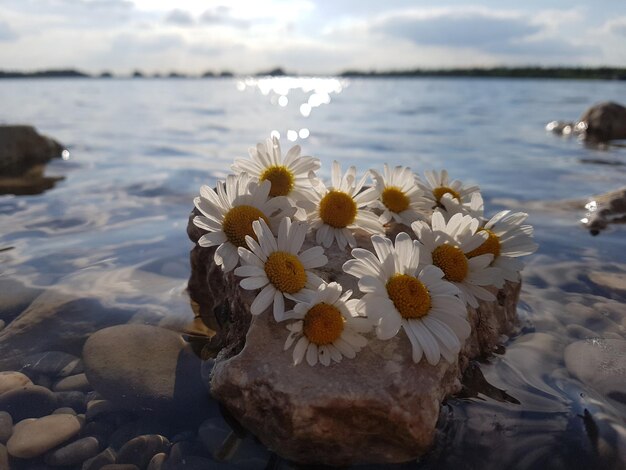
(104, 359)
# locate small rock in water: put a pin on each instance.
(141, 427)
(140, 450)
(12, 379)
(74, 453)
(74, 400)
(76, 382)
(120, 466)
(107, 456)
(599, 363)
(6, 426)
(4, 458)
(146, 367)
(213, 433)
(64, 411)
(31, 401)
(97, 409)
(36, 437)
(42, 380)
(157, 462)
(2, 325)
(613, 281)
(53, 363)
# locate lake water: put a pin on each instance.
(114, 229)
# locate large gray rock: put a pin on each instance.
(377, 408)
(145, 367)
(22, 147)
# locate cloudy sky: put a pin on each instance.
(307, 36)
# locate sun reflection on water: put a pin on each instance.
(310, 93)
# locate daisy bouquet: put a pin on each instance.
(421, 252)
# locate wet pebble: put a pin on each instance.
(6, 426)
(53, 363)
(10, 380)
(213, 434)
(98, 409)
(4, 458)
(116, 466)
(37, 436)
(2, 325)
(74, 453)
(250, 455)
(142, 366)
(157, 462)
(64, 411)
(101, 430)
(194, 462)
(42, 380)
(31, 401)
(106, 457)
(77, 382)
(140, 427)
(140, 450)
(75, 400)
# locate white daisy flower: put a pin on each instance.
(289, 176)
(228, 213)
(274, 266)
(446, 244)
(400, 294)
(339, 209)
(328, 327)
(439, 192)
(507, 240)
(399, 195)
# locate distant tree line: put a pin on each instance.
(599, 73)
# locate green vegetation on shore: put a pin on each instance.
(595, 73)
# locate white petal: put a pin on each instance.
(252, 283)
(263, 300)
(389, 325)
(300, 350)
(427, 341)
(311, 354)
(279, 306)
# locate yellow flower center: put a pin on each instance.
(441, 190)
(337, 209)
(285, 272)
(282, 180)
(491, 245)
(451, 261)
(394, 199)
(238, 223)
(409, 295)
(323, 324)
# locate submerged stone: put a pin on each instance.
(74, 453)
(140, 450)
(145, 367)
(31, 401)
(380, 407)
(10, 380)
(37, 436)
(6, 426)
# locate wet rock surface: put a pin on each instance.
(22, 147)
(311, 414)
(31, 401)
(606, 209)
